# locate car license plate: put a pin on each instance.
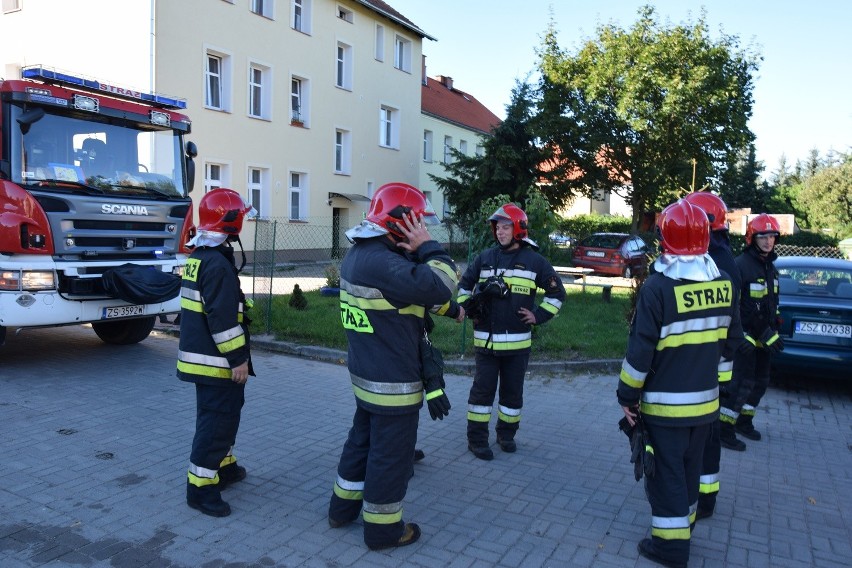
(597, 253)
(123, 312)
(825, 329)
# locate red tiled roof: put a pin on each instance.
(456, 106)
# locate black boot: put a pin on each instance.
(729, 439)
(231, 474)
(207, 499)
(746, 427)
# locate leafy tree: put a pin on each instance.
(508, 166)
(631, 110)
(741, 183)
(827, 198)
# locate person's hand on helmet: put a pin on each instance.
(414, 231)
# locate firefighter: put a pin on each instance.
(759, 314)
(392, 272)
(678, 334)
(214, 350)
(720, 251)
(500, 285)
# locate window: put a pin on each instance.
(402, 54)
(371, 189)
(342, 151)
(427, 146)
(217, 80)
(343, 76)
(388, 127)
(300, 101)
(448, 146)
(480, 151)
(298, 196)
(257, 185)
(215, 175)
(260, 85)
(263, 7)
(380, 42)
(448, 209)
(11, 6)
(463, 147)
(345, 14)
(301, 16)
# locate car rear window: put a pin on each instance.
(813, 281)
(603, 241)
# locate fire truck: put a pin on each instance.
(93, 177)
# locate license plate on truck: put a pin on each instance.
(123, 312)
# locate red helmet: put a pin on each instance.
(222, 211)
(763, 224)
(713, 205)
(514, 214)
(684, 229)
(395, 199)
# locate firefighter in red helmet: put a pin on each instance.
(669, 376)
(214, 351)
(500, 285)
(720, 251)
(759, 314)
(394, 274)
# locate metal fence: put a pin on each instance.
(794, 250)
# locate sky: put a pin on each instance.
(803, 86)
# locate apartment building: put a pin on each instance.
(451, 119)
(303, 106)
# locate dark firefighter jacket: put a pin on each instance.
(524, 271)
(383, 299)
(213, 332)
(720, 252)
(759, 301)
(677, 337)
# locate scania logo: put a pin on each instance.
(115, 209)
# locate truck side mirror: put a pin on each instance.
(191, 152)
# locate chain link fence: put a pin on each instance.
(823, 252)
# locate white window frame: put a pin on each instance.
(302, 191)
(301, 12)
(304, 99)
(259, 94)
(345, 14)
(343, 66)
(428, 136)
(217, 173)
(448, 143)
(402, 47)
(223, 78)
(265, 8)
(480, 150)
(342, 151)
(380, 42)
(463, 147)
(389, 126)
(10, 6)
(258, 189)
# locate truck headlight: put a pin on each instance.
(10, 280)
(38, 280)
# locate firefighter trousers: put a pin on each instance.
(709, 485)
(508, 371)
(217, 420)
(673, 490)
(749, 382)
(376, 463)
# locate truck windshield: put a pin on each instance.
(107, 156)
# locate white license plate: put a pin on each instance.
(123, 312)
(596, 253)
(825, 329)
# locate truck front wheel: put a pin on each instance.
(124, 332)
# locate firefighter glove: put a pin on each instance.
(747, 346)
(634, 435)
(772, 341)
(438, 403)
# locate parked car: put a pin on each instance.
(815, 301)
(617, 254)
(562, 240)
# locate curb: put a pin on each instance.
(266, 342)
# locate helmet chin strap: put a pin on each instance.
(236, 238)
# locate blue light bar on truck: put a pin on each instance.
(51, 76)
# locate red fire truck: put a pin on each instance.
(93, 177)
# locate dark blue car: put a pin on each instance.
(815, 301)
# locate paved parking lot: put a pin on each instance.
(96, 438)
